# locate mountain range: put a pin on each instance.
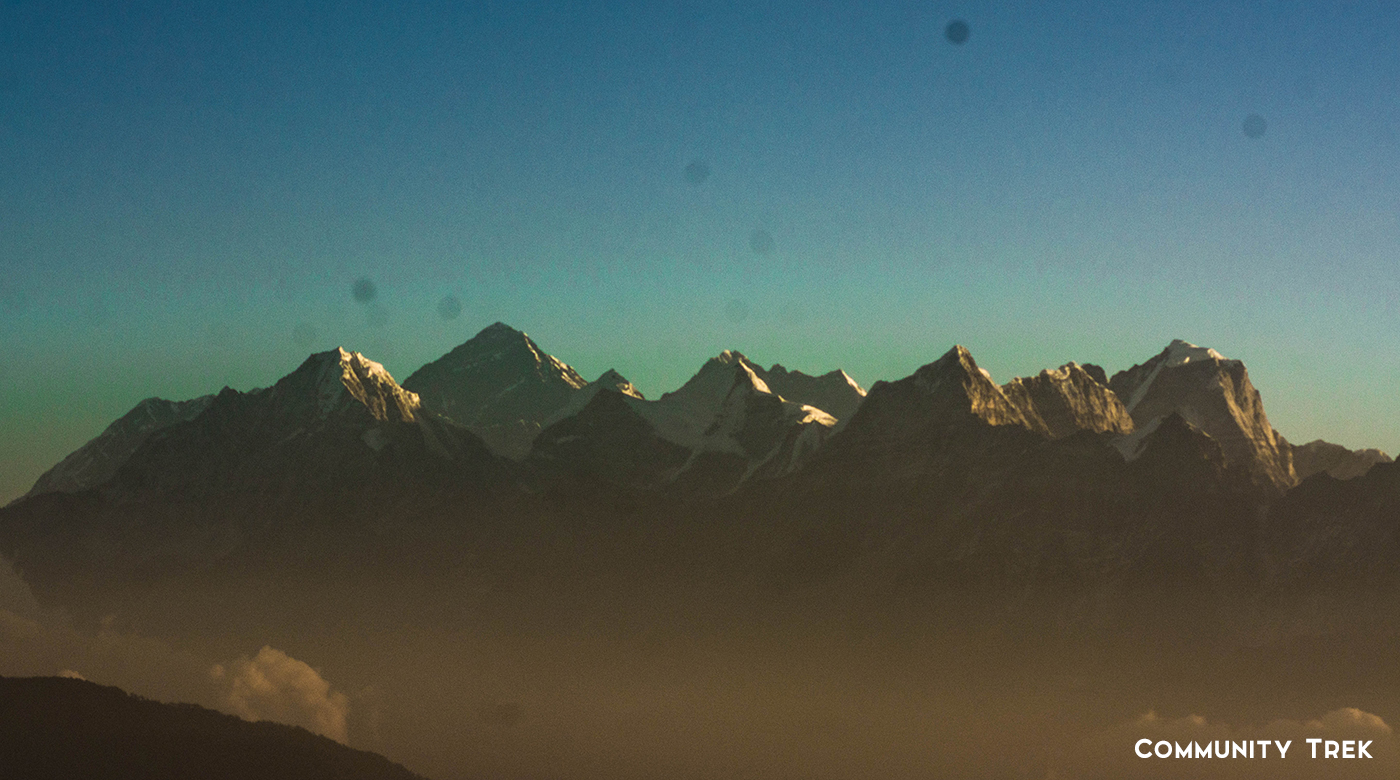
(503, 388)
(1167, 466)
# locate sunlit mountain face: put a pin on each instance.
(884, 409)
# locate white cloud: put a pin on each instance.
(275, 686)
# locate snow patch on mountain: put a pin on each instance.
(1131, 445)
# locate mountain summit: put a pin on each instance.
(950, 390)
(1214, 394)
(341, 381)
(500, 385)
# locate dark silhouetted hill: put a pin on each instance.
(52, 728)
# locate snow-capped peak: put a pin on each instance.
(1213, 393)
(955, 362)
(340, 373)
(613, 380)
(1179, 353)
(705, 391)
(860, 391)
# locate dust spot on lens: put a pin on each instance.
(449, 307)
(697, 172)
(956, 32)
(761, 242)
(363, 290)
(736, 311)
(304, 335)
(1254, 126)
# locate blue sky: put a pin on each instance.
(189, 191)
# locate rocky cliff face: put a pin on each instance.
(1215, 395)
(500, 385)
(771, 435)
(1068, 400)
(1318, 457)
(340, 383)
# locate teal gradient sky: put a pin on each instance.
(188, 192)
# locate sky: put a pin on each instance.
(201, 194)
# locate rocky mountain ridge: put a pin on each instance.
(719, 429)
(501, 386)
(1069, 399)
(1318, 456)
(338, 462)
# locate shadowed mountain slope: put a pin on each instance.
(722, 428)
(58, 729)
(96, 462)
(500, 385)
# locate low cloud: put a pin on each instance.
(274, 686)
